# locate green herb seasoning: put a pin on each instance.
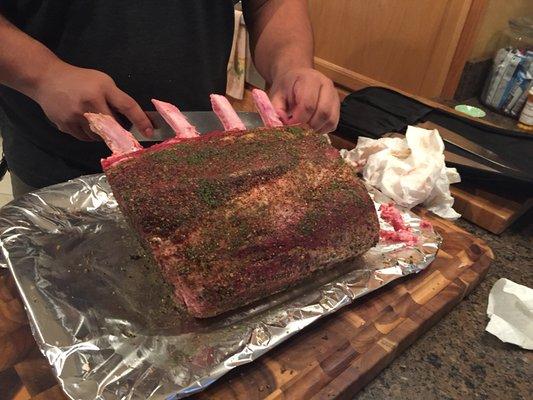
(209, 192)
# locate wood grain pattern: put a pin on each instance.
(444, 47)
(12, 314)
(54, 393)
(463, 50)
(14, 346)
(407, 43)
(35, 372)
(337, 356)
(10, 384)
(491, 211)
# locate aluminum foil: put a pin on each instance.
(105, 320)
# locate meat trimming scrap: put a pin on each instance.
(232, 216)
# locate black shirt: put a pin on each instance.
(173, 50)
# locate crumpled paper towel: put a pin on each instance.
(409, 170)
(510, 310)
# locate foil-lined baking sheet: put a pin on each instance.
(105, 320)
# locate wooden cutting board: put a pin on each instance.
(332, 359)
(336, 357)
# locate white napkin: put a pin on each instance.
(510, 310)
(409, 170)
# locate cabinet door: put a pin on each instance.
(408, 44)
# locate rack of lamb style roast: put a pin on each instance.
(232, 216)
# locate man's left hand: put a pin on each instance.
(305, 96)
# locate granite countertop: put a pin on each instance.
(457, 359)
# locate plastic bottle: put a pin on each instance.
(525, 121)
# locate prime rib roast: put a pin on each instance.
(236, 215)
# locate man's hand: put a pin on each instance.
(281, 41)
(65, 92)
(306, 96)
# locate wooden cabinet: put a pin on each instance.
(419, 46)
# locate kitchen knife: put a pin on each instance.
(460, 160)
(204, 121)
(469, 146)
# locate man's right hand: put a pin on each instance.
(62, 90)
(66, 92)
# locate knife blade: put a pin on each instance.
(450, 157)
(204, 121)
(469, 146)
(454, 158)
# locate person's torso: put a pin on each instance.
(173, 50)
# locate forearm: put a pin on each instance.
(281, 37)
(23, 60)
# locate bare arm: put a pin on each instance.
(63, 91)
(23, 60)
(282, 45)
(280, 34)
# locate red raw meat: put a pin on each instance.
(401, 233)
(390, 213)
(403, 236)
(231, 217)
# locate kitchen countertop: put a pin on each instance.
(457, 358)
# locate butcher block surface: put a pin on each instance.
(332, 359)
(338, 356)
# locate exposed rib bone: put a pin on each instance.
(177, 121)
(119, 140)
(226, 114)
(266, 109)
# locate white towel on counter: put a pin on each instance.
(237, 60)
(410, 170)
(510, 310)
